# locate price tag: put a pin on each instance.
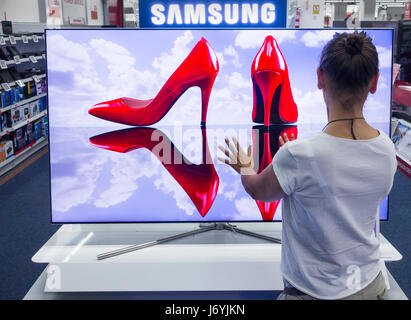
(24, 39)
(2, 41)
(36, 79)
(35, 38)
(5, 86)
(12, 40)
(17, 60)
(20, 83)
(33, 59)
(3, 64)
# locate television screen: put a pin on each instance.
(127, 114)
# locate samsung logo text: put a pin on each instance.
(213, 13)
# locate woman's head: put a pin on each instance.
(349, 68)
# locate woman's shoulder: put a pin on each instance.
(325, 143)
(305, 142)
(303, 148)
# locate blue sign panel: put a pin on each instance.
(213, 14)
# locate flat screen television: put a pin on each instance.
(161, 166)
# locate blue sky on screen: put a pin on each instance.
(86, 67)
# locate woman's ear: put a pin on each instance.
(374, 82)
(320, 79)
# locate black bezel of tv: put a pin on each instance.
(165, 29)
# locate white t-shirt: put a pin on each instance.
(334, 187)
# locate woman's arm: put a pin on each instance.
(263, 186)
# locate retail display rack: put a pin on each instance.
(401, 125)
(23, 104)
(404, 50)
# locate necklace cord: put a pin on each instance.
(345, 119)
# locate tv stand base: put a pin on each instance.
(204, 227)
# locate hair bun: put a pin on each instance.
(353, 44)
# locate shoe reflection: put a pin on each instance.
(199, 181)
(265, 146)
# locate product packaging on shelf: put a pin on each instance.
(26, 111)
(7, 121)
(29, 89)
(5, 99)
(38, 128)
(2, 152)
(45, 126)
(3, 123)
(9, 149)
(20, 113)
(18, 94)
(31, 135)
(12, 96)
(6, 150)
(9, 97)
(16, 115)
(19, 141)
(34, 108)
(42, 104)
(41, 86)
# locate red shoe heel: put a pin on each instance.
(287, 108)
(200, 68)
(270, 59)
(267, 82)
(199, 181)
(262, 158)
(205, 85)
(265, 146)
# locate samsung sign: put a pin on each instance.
(215, 14)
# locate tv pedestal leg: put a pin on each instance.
(204, 227)
(230, 227)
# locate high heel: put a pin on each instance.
(200, 69)
(271, 86)
(265, 146)
(263, 157)
(200, 182)
(267, 82)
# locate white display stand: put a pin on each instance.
(212, 261)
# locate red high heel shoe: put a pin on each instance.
(200, 69)
(200, 182)
(268, 146)
(271, 86)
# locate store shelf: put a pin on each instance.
(22, 155)
(20, 38)
(398, 134)
(25, 40)
(22, 102)
(34, 118)
(12, 84)
(403, 165)
(401, 93)
(23, 123)
(22, 60)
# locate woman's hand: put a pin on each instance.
(264, 186)
(281, 140)
(240, 161)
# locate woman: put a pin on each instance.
(332, 184)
